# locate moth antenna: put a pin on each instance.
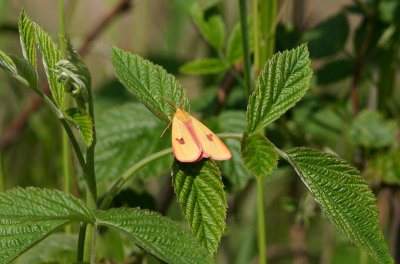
(169, 102)
(165, 129)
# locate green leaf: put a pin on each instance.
(51, 55)
(156, 234)
(7, 64)
(27, 38)
(75, 75)
(200, 193)
(83, 122)
(57, 248)
(212, 28)
(335, 71)
(344, 197)
(281, 84)
(35, 204)
(370, 130)
(20, 69)
(328, 37)
(18, 236)
(258, 154)
(234, 169)
(150, 83)
(127, 134)
(28, 215)
(234, 50)
(26, 72)
(204, 66)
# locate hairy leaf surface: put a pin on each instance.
(344, 197)
(51, 55)
(156, 234)
(27, 38)
(150, 83)
(200, 193)
(17, 236)
(36, 204)
(283, 82)
(83, 122)
(258, 154)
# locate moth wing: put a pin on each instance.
(184, 146)
(211, 145)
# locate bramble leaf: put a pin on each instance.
(200, 193)
(17, 236)
(258, 154)
(83, 122)
(35, 204)
(150, 83)
(344, 196)
(281, 84)
(26, 73)
(7, 64)
(27, 38)
(51, 55)
(28, 215)
(156, 234)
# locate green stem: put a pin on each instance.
(89, 251)
(128, 174)
(245, 41)
(81, 242)
(256, 38)
(66, 151)
(91, 230)
(262, 245)
(272, 14)
(90, 173)
(74, 143)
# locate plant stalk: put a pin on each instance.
(66, 151)
(256, 31)
(245, 42)
(262, 244)
(128, 174)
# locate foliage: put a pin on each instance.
(124, 142)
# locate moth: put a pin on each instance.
(192, 141)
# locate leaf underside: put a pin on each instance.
(344, 196)
(51, 55)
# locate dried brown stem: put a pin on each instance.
(13, 130)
